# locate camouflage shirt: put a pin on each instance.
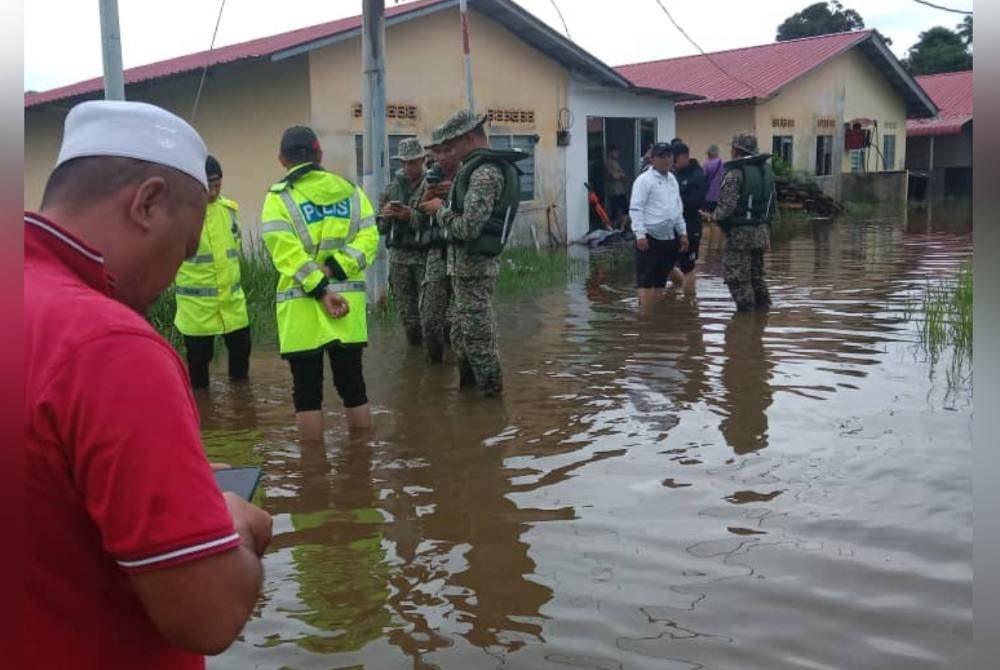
(400, 184)
(747, 238)
(485, 188)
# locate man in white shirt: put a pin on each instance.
(657, 214)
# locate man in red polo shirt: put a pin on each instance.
(135, 559)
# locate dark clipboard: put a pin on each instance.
(241, 481)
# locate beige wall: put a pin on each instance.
(242, 112)
(846, 87)
(425, 68)
(701, 127)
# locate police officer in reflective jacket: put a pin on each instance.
(746, 201)
(319, 229)
(210, 300)
(482, 204)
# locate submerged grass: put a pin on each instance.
(944, 314)
(522, 271)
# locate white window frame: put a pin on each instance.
(523, 165)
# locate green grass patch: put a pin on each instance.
(521, 271)
(944, 316)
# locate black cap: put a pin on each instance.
(661, 149)
(299, 141)
(213, 170)
(680, 149)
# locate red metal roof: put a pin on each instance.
(228, 54)
(952, 93)
(754, 72)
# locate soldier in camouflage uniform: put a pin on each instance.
(435, 291)
(744, 214)
(482, 203)
(398, 224)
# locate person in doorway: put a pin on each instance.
(657, 214)
(133, 557)
(483, 202)
(714, 172)
(210, 300)
(617, 188)
(435, 291)
(691, 183)
(407, 256)
(744, 215)
(319, 229)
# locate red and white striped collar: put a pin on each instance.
(45, 236)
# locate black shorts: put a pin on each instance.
(348, 377)
(686, 260)
(652, 267)
(619, 206)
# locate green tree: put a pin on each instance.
(964, 30)
(939, 50)
(821, 18)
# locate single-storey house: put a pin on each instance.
(538, 88)
(939, 150)
(826, 106)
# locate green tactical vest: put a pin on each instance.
(496, 231)
(757, 194)
(401, 234)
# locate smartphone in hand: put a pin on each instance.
(241, 481)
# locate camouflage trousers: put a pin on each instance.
(743, 267)
(404, 282)
(474, 333)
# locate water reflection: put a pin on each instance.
(746, 375)
(646, 480)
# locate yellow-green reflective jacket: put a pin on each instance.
(209, 298)
(305, 221)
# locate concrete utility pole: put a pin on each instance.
(463, 7)
(376, 163)
(111, 51)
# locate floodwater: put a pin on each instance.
(673, 490)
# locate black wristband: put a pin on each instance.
(335, 269)
(320, 289)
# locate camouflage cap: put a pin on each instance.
(461, 122)
(410, 149)
(745, 142)
(436, 140)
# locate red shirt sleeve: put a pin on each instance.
(125, 415)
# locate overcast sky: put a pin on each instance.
(62, 38)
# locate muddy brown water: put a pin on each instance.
(674, 490)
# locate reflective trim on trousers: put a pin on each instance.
(200, 259)
(336, 287)
(298, 223)
(203, 291)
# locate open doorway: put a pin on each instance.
(631, 137)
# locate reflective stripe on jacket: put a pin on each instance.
(210, 300)
(316, 217)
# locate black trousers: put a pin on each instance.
(201, 350)
(348, 377)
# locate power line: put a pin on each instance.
(561, 18)
(943, 9)
(702, 51)
(204, 70)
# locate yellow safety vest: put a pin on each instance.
(210, 300)
(321, 215)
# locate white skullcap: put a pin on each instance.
(133, 130)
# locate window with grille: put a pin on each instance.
(781, 147)
(359, 155)
(527, 166)
(889, 152)
(824, 155)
